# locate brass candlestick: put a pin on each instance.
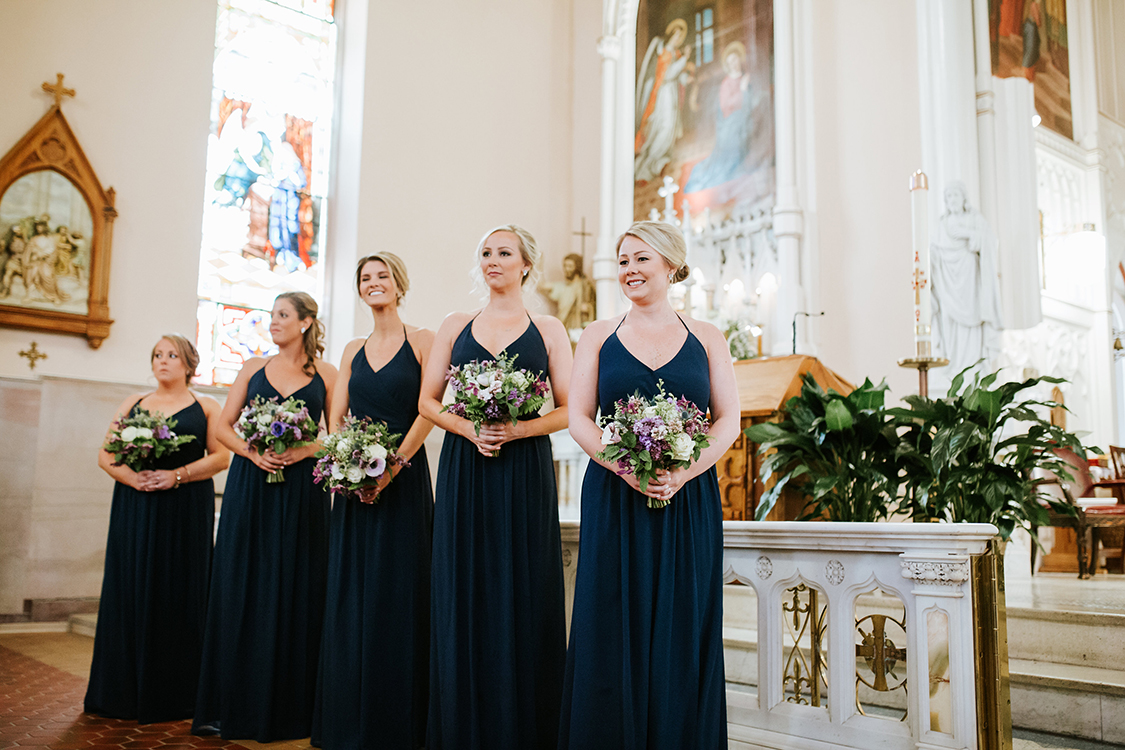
(923, 361)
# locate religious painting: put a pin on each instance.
(55, 222)
(704, 105)
(1029, 40)
(267, 167)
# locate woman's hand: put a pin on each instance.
(134, 480)
(293, 455)
(498, 433)
(370, 493)
(156, 480)
(663, 487)
(267, 461)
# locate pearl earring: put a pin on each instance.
(670, 278)
(304, 329)
(525, 272)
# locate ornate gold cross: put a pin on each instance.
(879, 652)
(59, 92)
(32, 354)
(919, 284)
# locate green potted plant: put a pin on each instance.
(837, 450)
(969, 458)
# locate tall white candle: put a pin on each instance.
(920, 281)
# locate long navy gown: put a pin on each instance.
(264, 616)
(375, 658)
(154, 593)
(645, 664)
(498, 624)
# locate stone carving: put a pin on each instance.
(765, 567)
(936, 573)
(834, 571)
(963, 267)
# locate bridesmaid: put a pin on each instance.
(158, 556)
(498, 633)
(645, 665)
(262, 643)
(373, 687)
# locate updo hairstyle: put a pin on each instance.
(397, 268)
(528, 250)
(306, 308)
(666, 240)
(184, 349)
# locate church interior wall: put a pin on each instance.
(865, 118)
(142, 72)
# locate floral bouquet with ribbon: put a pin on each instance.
(494, 390)
(647, 434)
(139, 438)
(357, 455)
(268, 423)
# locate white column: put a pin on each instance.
(986, 112)
(604, 267)
(788, 218)
(948, 98)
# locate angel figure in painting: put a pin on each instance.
(666, 69)
(732, 125)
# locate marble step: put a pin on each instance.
(1077, 638)
(83, 624)
(1080, 701)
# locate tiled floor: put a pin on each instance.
(43, 680)
(42, 684)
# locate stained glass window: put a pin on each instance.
(704, 36)
(267, 173)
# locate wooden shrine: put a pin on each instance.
(764, 385)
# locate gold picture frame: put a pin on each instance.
(56, 230)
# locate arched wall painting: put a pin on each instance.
(704, 105)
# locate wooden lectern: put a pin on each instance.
(764, 385)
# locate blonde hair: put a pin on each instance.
(306, 308)
(666, 240)
(395, 265)
(528, 249)
(184, 349)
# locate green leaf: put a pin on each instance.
(837, 416)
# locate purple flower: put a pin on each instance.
(277, 429)
(163, 433)
(377, 468)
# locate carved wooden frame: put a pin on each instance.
(51, 145)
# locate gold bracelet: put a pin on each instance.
(177, 484)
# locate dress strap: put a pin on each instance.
(621, 321)
(682, 323)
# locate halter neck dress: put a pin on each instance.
(645, 663)
(154, 593)
(373, 688)
(497, 619)
(265, 612)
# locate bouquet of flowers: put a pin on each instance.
(139, 438)
(644, 435)
(494, 390)
(357, 455)
(279, 426)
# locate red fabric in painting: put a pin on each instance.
(298, 133)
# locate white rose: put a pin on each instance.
(129, 434)
(373, 452)
(519, 380)
(355, 474)
(337, 472)
(682, 447)
(611, 435)
(649, 411)
(484, 379)
(144, 433)
(264, 420)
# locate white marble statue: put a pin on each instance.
(963, 269)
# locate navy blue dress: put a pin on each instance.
(497, 617)
(374, 683)
(154, 593)
(645, 664)
(266, 608)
